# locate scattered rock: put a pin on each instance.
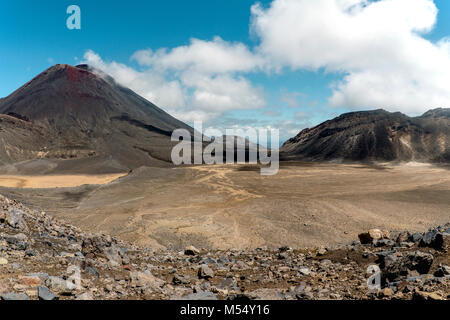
(303, 292)
(145, 280)
(114, 255)
(205, 272)
(420, 295)
(403, 237)
(179, 279)
(114, 270)
(61, 286)
(201, 296)
(383, 243)
(395, 266)
(14, 296)
(433, 239)
(321, 251)
(373, 234)
(283, 255)
(415, 237)
(14, 218)
(45, 294)
(265, 294)
(442, 271)
(93, 271)
(30, 253)
(305, 271)
(191, 251)
(17, 242)
(30, 281)
(84, 296)
(386, 293)
(419, 261)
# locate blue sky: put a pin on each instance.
(292, 91)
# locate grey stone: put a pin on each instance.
(45, 294)
(283, 255)
(432, 239)
(266, 294)
(209, 260)
(30, 253)
(415, 237)
(414, 279)
(420, 261)
(179, 279)
(14, 296)
(16, 266)
(60, 286)
(205, 272)
(84, 297)
(145, 280)
(394, 266)
(114, 256)
(18, 241)
(93, 271)
(305, 271)
(442, 271)
(224, 260)
(303, 292)
(14, 218)
(41, 275)
(191, 251)
(227, 283)
(383, 243)
(202, 295)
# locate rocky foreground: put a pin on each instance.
(41, 258)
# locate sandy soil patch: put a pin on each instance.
(56, 181)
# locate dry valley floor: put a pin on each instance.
(224, 207)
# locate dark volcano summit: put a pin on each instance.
(375, 136)
(83, 115)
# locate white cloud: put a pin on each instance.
(206, 57)
(195, 82)
(378, 46)
(223, 92)
(191, 94)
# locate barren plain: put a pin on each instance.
(233, 206)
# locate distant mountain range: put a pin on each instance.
(374, 136)
(79, 119)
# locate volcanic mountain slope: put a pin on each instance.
(375, 136)
(82, 115)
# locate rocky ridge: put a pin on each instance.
(42, 258)
(372, 136)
